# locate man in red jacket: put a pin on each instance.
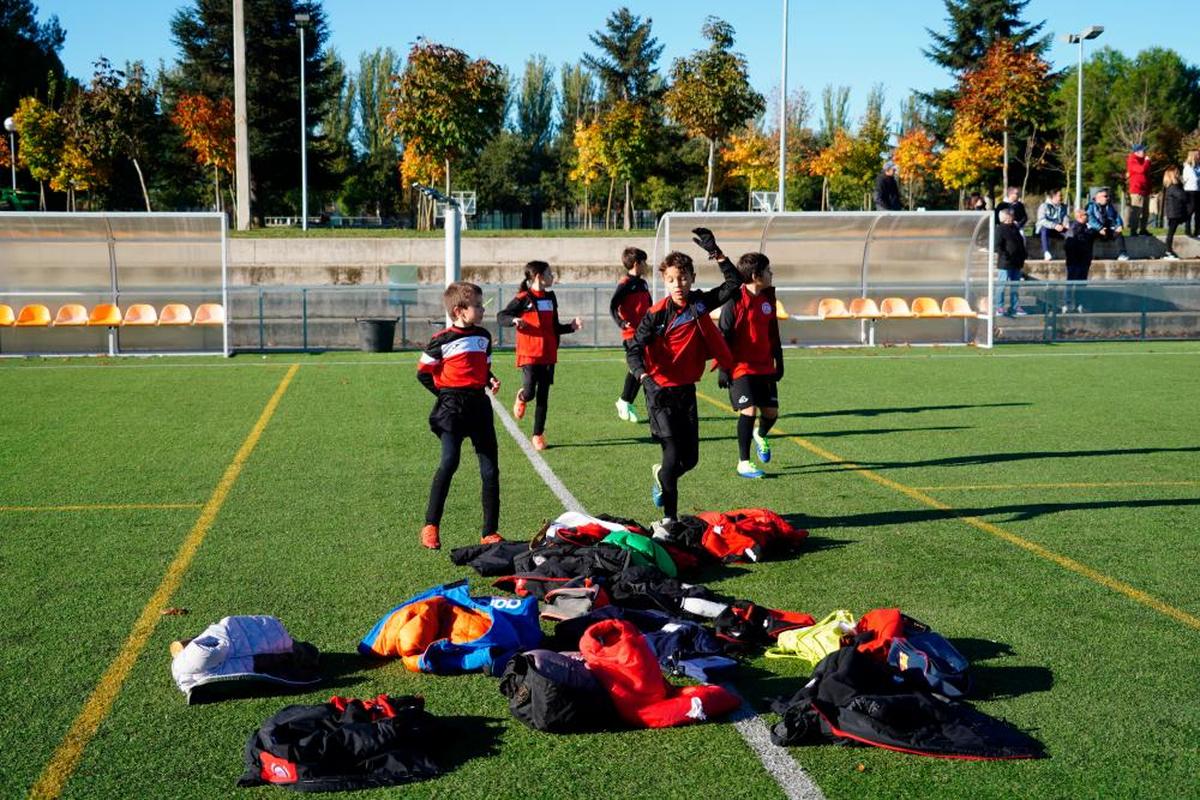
(1137, 170)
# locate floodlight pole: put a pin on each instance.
(301, 21)
(11, 126)
(1090, 32)
(783, 110)
(453, 227)
(240, 136)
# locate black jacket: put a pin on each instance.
(853, 698)
(1019, 214)
(1175, 206)
(1010, 247)
(887, 193)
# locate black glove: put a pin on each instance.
(722, 379)
(778, 371)
(705, 240)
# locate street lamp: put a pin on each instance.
(1090, 32)
(783, 110)
(301, 21)
(11, 126)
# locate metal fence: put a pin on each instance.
(324, 317)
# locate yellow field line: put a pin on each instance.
(103, 507)
(1071, 564)
(1023, 486)
(66, 758)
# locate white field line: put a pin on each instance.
(793, 354)
(778, 762)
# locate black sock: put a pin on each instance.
(765, 424)
(745, 431)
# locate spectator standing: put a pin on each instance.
(1175, 207)
(1052, 221)
(976, 202)
(1010, 251)
(1137, 171)
(1078, 247)
(1105, 221)
(1191, 185)
(1012, 202)
(887, 189)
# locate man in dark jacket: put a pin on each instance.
(1010, 253)
(887, 190)
(1012, 201)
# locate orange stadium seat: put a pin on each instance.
(7, 317)
(895, 308)
(864, 308)
(209, 314)
(34, 315)
(832, 308)
(140, 314)
(71, 315)
(780, 311)
(927, 307)
(175, 314)
(957, 307)
(105, 314)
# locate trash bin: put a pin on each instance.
(376, 334)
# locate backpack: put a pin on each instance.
(813, 643)
(913, 649)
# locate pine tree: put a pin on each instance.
(30, 53)
(627, 57)
(975, 25)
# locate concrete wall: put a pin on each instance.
(351, 261)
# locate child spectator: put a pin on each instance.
(751, 328)
(1175, 207)
(1137, 170)
(629, 304)
(1191, 185)
(534, 313)
(1052, 221)
(1078, 247)
(668, 354)
(1010, 250)
(1012, 202)
(1106, 222)
(456, 367)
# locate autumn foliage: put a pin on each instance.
(207, 128)
(915, 157)
(968, 155)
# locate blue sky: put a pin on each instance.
(856, 42)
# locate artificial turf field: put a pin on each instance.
(1037, 505)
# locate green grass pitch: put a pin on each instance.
(1088, 452)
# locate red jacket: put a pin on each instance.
(537, 339)
(617, 654)
(751, 327)
(1138, 168)
(629, 304)
(457, 358)
(672, 344)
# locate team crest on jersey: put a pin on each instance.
(545, 305)
(766, 307)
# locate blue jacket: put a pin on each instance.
(1103, 216)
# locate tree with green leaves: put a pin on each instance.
(120, 109)
(535, 103)
(710, 94)
(625, 142)
(30, 53)
(835, 113)
(628, 53)
(43, 136)
(203, 32)
(375, 183)
(577, 97)
(445, 105)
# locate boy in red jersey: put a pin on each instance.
(534, 313)
(629, 304)
(751, 328)
(456, 367)
(668, 355)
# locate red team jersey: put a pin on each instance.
(537, 339)
(629, 304)
(751, 327)
(458, 358)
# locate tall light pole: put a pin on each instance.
(11, 126)
(241, 136)
(301, 21)
(783, 108)
(1090, 32)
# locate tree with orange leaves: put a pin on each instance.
(968, 155)
(1007, 87)
(208, 131)
(831, 162)
(752, 155)
(915, 157)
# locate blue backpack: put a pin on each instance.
(925, 656)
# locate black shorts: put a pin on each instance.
(462, 412)
(753, 390)
(542, 373)
(672, 411)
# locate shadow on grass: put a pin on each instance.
(760, 686)
(982, 459)
(1019, 513)
(466, 737)
(880, 431)
(994, 681)
(876, 412)
(342, 670)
